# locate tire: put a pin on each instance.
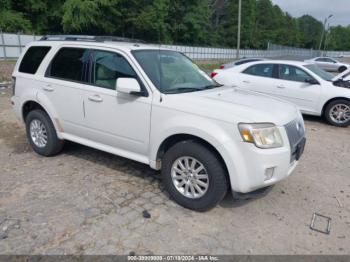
(53, 144)
(342, 69)
(218, 182)
(344, 104)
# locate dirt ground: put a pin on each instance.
(85, 201)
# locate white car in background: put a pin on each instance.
(312, 89)
(328, 64)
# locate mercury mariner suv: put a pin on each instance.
(157, 107)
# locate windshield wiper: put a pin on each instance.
(181, 90)
(211, 86)
(190, 89)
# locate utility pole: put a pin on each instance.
(326, 39)
(323, 30)
(239, 28)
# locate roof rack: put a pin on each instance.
(89, 38)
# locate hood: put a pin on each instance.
(343, 75)
(233, 105)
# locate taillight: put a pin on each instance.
(222, 67)
(213, 74)
(13, 85)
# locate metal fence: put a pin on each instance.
(296, 53)
(11, 46)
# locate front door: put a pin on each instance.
(114, 119)
(291, 86)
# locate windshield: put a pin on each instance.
(172, 72)
(320, 72)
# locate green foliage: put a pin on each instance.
(11, 21)
(195, 22)
(190, 22)
(90, 16)
(339, 38)
(310, 31)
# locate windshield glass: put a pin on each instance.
(172, 72)
(320, 72)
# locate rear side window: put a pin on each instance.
(264, 70)
(246, 61)
(33, 58)
(70, 64)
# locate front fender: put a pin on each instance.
(212, 131)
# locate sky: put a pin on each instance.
(340, 9)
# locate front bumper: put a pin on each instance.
(247, 165)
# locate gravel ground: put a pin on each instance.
(85, 201)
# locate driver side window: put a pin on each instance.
(292, 73)
(107, 67)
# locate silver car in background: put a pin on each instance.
(329, 64)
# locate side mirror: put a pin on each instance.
(311, 81)
(128, 86)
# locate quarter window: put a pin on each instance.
(108, 67)
(33, 58)
(292, 73)
(264, 70)
(70, 64)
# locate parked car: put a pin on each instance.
(313, 90)
(328, 64)
(240, 62)
(156, 107)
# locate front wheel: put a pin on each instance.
(337, 113)
(194, 176)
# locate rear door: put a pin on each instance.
(65, 79)
(259, 78)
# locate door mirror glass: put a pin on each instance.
(128, 86)
(311, 81)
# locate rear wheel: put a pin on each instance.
(193, 176)
(341, 69)
(41, 133)
(337, 113)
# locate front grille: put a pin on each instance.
(296, 132)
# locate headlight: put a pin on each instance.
(263, 135)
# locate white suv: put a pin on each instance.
(155, 106)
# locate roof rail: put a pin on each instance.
(89, 38)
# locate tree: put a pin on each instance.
(150, 24)
(338, 38)
(190, 22)
(228, 28)
(195, 22)
(310, 31)
(91, 16)
(11, 21)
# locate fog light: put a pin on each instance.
(269, 173)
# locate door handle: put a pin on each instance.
(48, 88)
(246, 81)
(281, 86)
(95, 98)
